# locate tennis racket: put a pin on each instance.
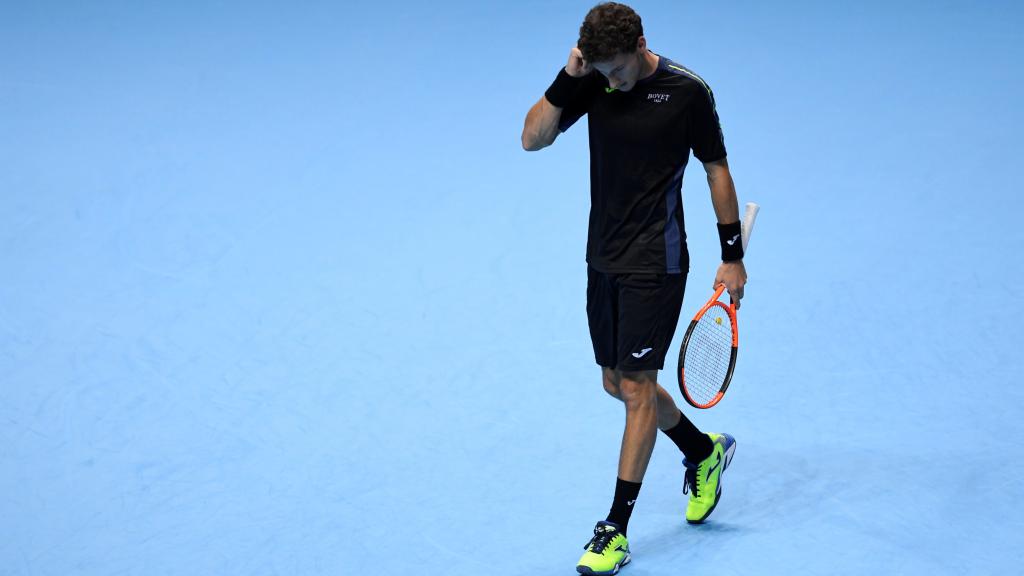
(707, 357)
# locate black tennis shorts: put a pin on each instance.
(633, 317)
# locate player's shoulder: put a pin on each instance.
(684, 77)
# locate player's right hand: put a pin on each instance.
(577, 66)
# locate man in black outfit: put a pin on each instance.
(646, 113)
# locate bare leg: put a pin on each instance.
(639, 392)
(668, 412)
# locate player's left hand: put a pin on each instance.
(734, 276)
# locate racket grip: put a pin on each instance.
(747, 223)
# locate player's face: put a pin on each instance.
(622, 71)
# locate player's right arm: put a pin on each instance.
(541, 126)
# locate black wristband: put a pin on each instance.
(562, 89)
(731, 238)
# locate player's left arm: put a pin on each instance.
(723, 197)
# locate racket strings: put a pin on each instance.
(708, 354)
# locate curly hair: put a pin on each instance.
(608, 30)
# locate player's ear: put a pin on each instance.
(641, 44)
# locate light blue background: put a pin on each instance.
(280, 293)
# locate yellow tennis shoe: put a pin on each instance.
(606, 552)
(704, 480)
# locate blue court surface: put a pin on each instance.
(280, 292)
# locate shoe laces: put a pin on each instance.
(603, 536)
(690, 483)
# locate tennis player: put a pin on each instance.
(646, 113)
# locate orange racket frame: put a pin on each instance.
(730, 310)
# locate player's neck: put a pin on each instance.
(649, 64)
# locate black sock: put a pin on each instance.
(622, 506)
(694, 444)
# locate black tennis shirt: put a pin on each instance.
(640, 142)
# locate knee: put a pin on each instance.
(638, 389)
(610, 381)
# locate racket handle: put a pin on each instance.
(747, 223)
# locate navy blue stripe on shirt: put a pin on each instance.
(673, 236)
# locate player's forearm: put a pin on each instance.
(541, 127)
(723, 192)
